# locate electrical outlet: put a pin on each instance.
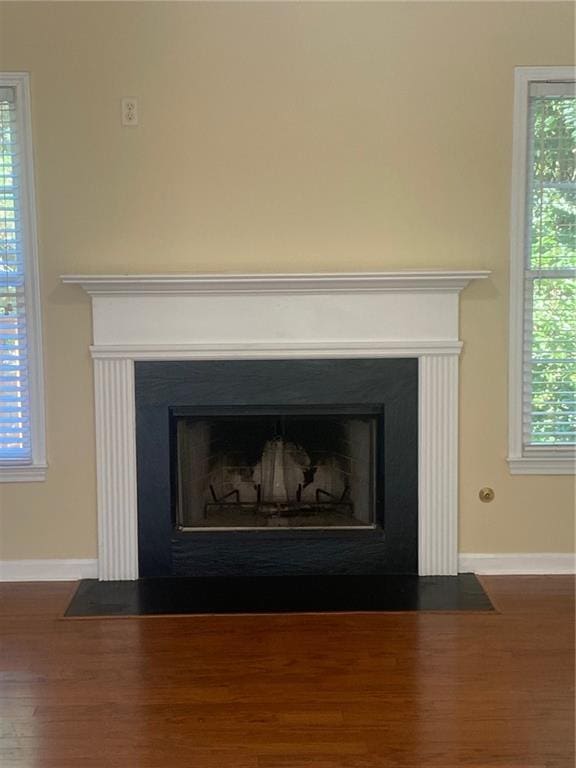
(129, 112)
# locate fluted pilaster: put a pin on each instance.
(116, 471)
(438, 465)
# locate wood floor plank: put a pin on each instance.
(290, 691)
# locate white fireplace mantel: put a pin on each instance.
(287, 283)
(276, 316)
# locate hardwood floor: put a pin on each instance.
(297, 691)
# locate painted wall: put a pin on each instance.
(295, 137)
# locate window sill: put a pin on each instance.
(23, 474)
(542, 465)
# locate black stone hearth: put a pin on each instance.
(320, 403)
(294, 594)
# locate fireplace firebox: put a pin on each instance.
(262, 468)
(277, 467)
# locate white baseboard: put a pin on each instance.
(488, 564)
(509, 563)
(48, 570)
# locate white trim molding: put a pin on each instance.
(544, 563)
(116, 464)
(521, 460)
(23, 473)
(35, 470)
(279, 350)
(232, 317)
(438, 465)
(295, 283)
(47, 570)
(553, 464)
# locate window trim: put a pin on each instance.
(34, 470)
(553, 460)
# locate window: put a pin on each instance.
(543, 273)
(22, 453)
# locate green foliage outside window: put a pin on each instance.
(551, 277)
(7, 213)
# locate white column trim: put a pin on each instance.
(116, 469)
(438, 465)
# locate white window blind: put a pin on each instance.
(22, 455)
(15, 443)
(549, 348)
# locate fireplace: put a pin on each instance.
(275, 468)
(150, 320)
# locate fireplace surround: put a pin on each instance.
(396, 316)
(329, 414)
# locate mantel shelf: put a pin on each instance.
(436, 281)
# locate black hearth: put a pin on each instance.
(252, 468)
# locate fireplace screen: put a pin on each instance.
(285, 470)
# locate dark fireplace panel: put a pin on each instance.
(275, 470)
(277, 467)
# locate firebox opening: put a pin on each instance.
(275, 470)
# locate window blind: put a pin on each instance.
(549, 359)
(15, 437)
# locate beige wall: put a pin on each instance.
(278, 137)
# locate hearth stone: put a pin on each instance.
(156, 597)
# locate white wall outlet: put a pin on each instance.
(129, 112)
